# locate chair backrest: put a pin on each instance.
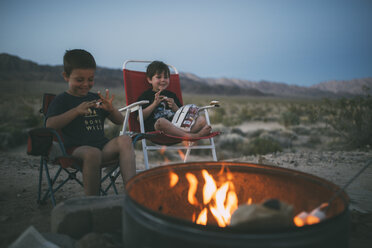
(40, 139)
(135, 83)
(47, 99)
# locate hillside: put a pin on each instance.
(13, 68)
(324, 89)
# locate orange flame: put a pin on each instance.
(193, 181)
(173, 177)
(209, 187)
(221, 202)
(162, 153)
(182, 155)
(202, 218)
(162, 150)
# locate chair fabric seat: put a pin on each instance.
(161, 138)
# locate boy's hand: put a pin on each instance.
(170, 102)
(105, 102)
(85, 108)
(158, 98)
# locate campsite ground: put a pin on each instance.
(19, 173)
(292, 133)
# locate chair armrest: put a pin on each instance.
(134, 106)
(40, 141)
(212, 104)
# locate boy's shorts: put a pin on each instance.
(185, 117)
(70, 150)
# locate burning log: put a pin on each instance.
(272, 214)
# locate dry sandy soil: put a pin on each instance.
(19, 177)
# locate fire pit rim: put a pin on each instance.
(176, 223)
(158, 216)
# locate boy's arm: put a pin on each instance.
(148, 110)
(116, 117)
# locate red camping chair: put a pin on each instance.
(135, 84)
(44, 142)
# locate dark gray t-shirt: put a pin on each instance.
(83, 130)
(161, 111)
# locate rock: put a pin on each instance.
(78, 216)
(61, 240)
(269, 215)
(97, 240)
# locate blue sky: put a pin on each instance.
(301, 42)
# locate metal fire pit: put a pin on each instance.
(156, 215)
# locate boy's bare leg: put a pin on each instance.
(121, 148)
(167, 127)
(91, 158)
(200, 122)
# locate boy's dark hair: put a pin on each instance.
(157, 67)
(77, 59)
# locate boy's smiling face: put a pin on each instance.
(80, 81)
(159, 81)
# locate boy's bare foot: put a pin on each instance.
(204, 131)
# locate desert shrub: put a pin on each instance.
(289, 118)
(232, 121)
(238, 131)
(217, 115)
(231, 142)
(11, 137)
(283, 138)
(18, 116)
(246, 114)
(312, 113)
(256, 133)
(313, 140)
(301, 130)
(262, 146)
(351, 118)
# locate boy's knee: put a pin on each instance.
(89, 155)
(202, 120)
(124, 140)
(160, 124)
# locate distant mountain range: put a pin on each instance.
(13, 68)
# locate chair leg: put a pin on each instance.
(214, 155)
(113, 178)
(50, 185)
(40, 180)
(145, 156)
(188, 151)
(113, 175)
(46, 194)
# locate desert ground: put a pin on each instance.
(18, 185)
(293, 134)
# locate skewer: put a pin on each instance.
(318, 214)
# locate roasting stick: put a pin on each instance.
(350, 181)
(318, 213)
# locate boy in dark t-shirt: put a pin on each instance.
(80, 115)
(85, 129)
(163, 104)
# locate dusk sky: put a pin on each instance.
(301, 42)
